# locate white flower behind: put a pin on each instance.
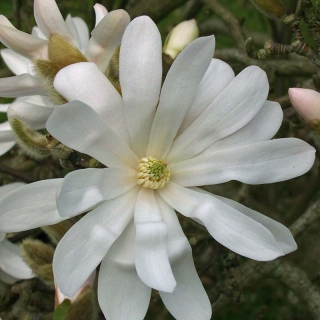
(33, 106)
(204, 126)
(12, 267)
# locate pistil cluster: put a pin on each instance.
(153, 173)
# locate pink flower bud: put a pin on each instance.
(306, 102)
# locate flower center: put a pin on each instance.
(152, 173)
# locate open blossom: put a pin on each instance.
(306, 102)
(31, 56)
(12, 267)
(159, 142)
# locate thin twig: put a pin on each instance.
(229, 19)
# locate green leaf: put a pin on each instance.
(62, 311)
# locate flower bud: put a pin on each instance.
(179, 37)
(273, 9)
(306, 102)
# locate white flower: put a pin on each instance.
(26, 49)
(180, 36)
(204, 126)
(12, 267)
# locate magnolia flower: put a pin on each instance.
(36, 58)
(306, 102)
(180, 36)
(204, 126)
(12, 267)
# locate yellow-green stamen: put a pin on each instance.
(152, 173)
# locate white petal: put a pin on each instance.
(50, 20)
(6, 133)
(100, 12)
(72, 29)
(82, 31)
(261, 128)
(121, 293)
(6, 146)
(235, 106)
(23, 43)
(85, 82)
(15, 62)
(4, 277)
(189, 300)
(84, 246)
(35, 115)
(217, 77)
(227, 225)
(11, 261)
(4, 107)
(22, 85)
(106, 37)
(261, 162)
(30, 206)
(140, 79)
(83, 190)
(38, 33)
(76, 125)
(151, 256)
(177, 94)
(6, 22)
(9, 187)
(281, 233)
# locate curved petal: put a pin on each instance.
(6, 133)
(23, 43)
(50, 20)
(257, 163)
(15, 62)
(79, 127)
(6, 146)
(8, 188)
(4, 277)
(151, 256)
(22, 85)
(11, 261)
(84, 246)
(83, 190)
(100, 11)
(4, 107)
(140, 79)
(85, 82)
(235, 106)
(6, 22)
(73, 30)
(36, 206)
(281, 233)
(227, 225)
(35, 115)
(121, 293)
(106, 37)
(261, 128)
(189, 300)
(82, 32)
(177, 93)
(218, 75)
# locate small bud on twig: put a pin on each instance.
(273, 9)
